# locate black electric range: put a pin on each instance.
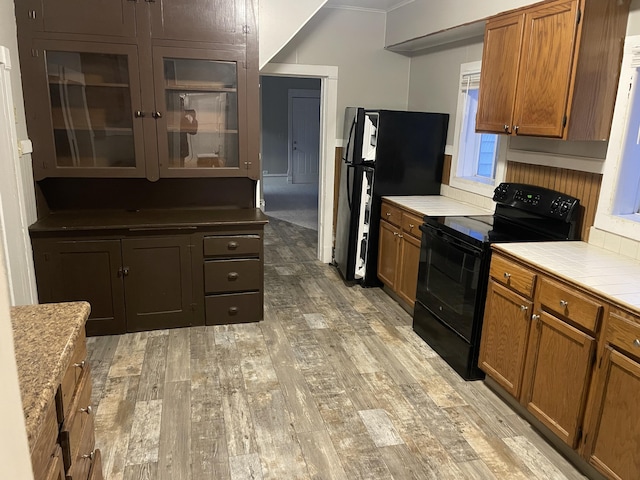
(454, 265)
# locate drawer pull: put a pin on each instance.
(88, 410)
(233, 310)
(233, 276)
(636, 343)
(388, 214)
(507, 275)
(79, 365)
(89, 455)
(535, 317)
(524, 308)
(232, 245)
(411, 225)
(564, 303)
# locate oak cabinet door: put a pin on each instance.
(409, 261)
(388, 254)
(500, 60)
(546, 68)
(505, 333)
(557, 375)
(157, 272)
(613, 442)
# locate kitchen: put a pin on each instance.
(417, 95)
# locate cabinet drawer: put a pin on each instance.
(233, 308)
(74, 424)
(391, 214)
(232, 275)
(624, 334)
(570, 304)
(411, 224)
(45, 443)
(85, 455)
(513, 276)
(232, 245)
(71, 377)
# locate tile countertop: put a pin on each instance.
(601, 271)
(44, 337)
(436, 205)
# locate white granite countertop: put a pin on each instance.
(437, 205)
(601, 271)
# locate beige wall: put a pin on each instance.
(353, 41)
(422, 17)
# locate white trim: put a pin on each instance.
(328, 117)
(356, 9)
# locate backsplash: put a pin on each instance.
(615, 243)
(467, 197)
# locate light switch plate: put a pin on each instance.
(24, 147)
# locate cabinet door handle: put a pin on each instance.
(564, 303)
(507, 276)
(138, 114)
(636, 343)
(233, 310)
(156, 115)
(90, 455)
(80, 364)
(388, 214)
(125, 271)
(515, 129)
(506, 128)
(524, 308)
(232, 245)
(411, 225)
(535, 317)
(233, 275)
(88, 410)
(400, 235)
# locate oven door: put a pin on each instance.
(448, 279)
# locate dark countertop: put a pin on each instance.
(140, 220)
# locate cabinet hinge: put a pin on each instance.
(564, 121)
(32, 14)
(35, 52)
(579, 435)
(578, 16)
(245, 29)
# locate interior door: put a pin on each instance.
(304, 147)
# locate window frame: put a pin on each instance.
(479, 185)
(626, 224)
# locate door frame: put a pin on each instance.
(291, 94)
(328, 76)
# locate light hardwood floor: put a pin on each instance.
(333, 384)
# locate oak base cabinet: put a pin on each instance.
(399, 251)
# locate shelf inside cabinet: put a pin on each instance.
(200, 88)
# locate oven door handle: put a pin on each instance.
(457, 243)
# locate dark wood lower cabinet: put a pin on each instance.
(154, 276)
(71, 270)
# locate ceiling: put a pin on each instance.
(384, 5)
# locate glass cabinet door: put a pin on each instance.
(201, 115)
(92, 95)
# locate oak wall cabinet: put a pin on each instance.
(552, 69)
(399, 251)
(147, 270)
(141, 89)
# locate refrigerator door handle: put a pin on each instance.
(346, 154)
(349, 192)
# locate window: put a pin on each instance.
(619, 206)
(476, 159)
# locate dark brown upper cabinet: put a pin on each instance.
(165, 88)
(552, 69)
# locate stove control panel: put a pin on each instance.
(541, 201)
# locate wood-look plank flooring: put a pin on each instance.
(333, 384)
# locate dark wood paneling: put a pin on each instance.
(446, 170)
(583, 185)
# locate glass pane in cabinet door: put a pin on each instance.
(202, 113)
(91, 109)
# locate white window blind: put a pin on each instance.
(470, 81)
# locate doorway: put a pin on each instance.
(291, 148)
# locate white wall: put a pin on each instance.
(279, 21)
(433, 82)
(353, 41)
(423, 17)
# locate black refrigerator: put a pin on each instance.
(387, 153)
